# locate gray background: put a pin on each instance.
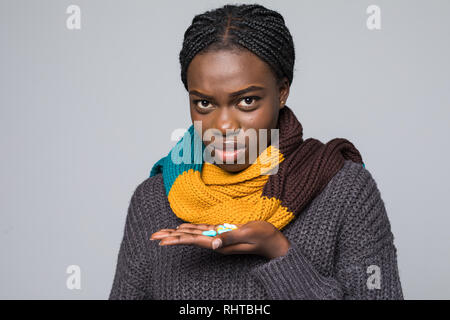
(85, 114)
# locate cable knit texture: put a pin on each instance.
(336, 241)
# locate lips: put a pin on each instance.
(228, 150)
(229, 156)
(229, 146)
(221, 143)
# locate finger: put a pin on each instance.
(231, 237)
(160, 234)
(190, 230)
(164, 234)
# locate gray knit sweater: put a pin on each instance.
(342, 247)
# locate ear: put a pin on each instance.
(283, 88)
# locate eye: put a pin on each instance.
(249, 101)
(202, 104)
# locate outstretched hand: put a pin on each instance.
(255, 237)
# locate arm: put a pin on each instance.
(131, 276)
(365, 261)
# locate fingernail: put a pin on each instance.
(216, 244)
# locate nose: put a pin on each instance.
(227, 120)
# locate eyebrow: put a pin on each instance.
(233, 94)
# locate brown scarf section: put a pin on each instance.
(308, 166)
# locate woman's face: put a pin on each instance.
(216, 83)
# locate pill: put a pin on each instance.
(231, 226)
(223, 230)
(209, 233)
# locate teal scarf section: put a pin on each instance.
(177, 161)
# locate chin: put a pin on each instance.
(234, 168)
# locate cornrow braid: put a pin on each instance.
(246, 26)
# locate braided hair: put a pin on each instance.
(246, 26)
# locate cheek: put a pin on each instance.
(193, 116)
(264, 118)
(204, 121)
(257, 122)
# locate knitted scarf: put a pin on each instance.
(202, 192)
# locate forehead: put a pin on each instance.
(228, 70)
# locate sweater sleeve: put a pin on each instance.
(131, 274)
(365, 262)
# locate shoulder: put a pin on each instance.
(352, 177)
(152, 186)
(346, 186)
(357, 184)
(353, 192)
(364, 213)
(147, 195)
(351, 186)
